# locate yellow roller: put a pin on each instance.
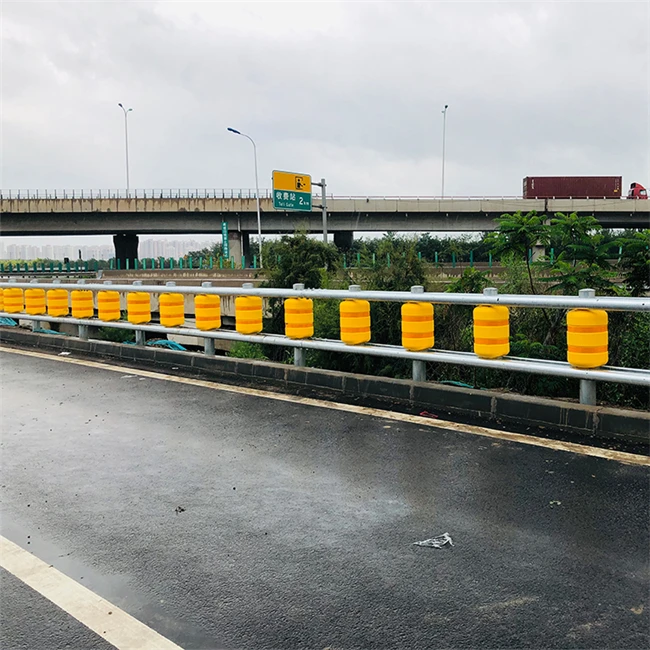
(138, 307)
(82, 304)
(108, 305)
(13, 300)
(35, 301)
(172, 309)
(207, 310)
(248, 314)
(57, 302)
(299, 318)
(417, 326)
(587, 338)
(355, 321)
(491, 331)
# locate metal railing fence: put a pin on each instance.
(214, 193)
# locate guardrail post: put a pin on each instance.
(419, 368)
(587, 386)
(208, 343)
(83, 333)
(299, 354)
(208, 346)
(140, 335)
(36, 324)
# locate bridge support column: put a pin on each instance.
(344, 239)
(539, 250)
(126, 248)
(240, 245)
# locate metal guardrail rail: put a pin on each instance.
(587, 300)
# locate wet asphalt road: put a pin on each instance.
(298, 522)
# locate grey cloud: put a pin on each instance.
(533, 88)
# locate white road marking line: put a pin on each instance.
(557, 445)
(106, 620)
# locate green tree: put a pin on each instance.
(581, 239)
(583, 261)
(635, 261)
(290, 260)
(299, 258)
(518, 233)
(214, 251)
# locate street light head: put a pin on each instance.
(120, 105)
(234, 130)
(446, 106)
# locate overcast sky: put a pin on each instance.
(352, 91)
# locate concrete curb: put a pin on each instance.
(487, 407)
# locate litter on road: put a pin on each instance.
(436, 542)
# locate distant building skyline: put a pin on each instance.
(147, 248)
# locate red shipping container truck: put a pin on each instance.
(572, 187)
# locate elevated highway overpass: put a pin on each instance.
(188, 212)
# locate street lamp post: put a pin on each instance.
(126, 143)
(257, 190)
(444, 135)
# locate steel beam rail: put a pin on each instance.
(514, 364)
(511, 300)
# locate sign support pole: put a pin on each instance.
(323, 206)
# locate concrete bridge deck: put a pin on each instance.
(221, 518)
(94, 216)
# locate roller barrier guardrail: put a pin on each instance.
(587, 334)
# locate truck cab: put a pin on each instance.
(637, 191)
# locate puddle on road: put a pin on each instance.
(31, 539)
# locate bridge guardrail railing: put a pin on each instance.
(586, 329)
(212, 193)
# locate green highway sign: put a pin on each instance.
(225, 244)
(291, 191)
